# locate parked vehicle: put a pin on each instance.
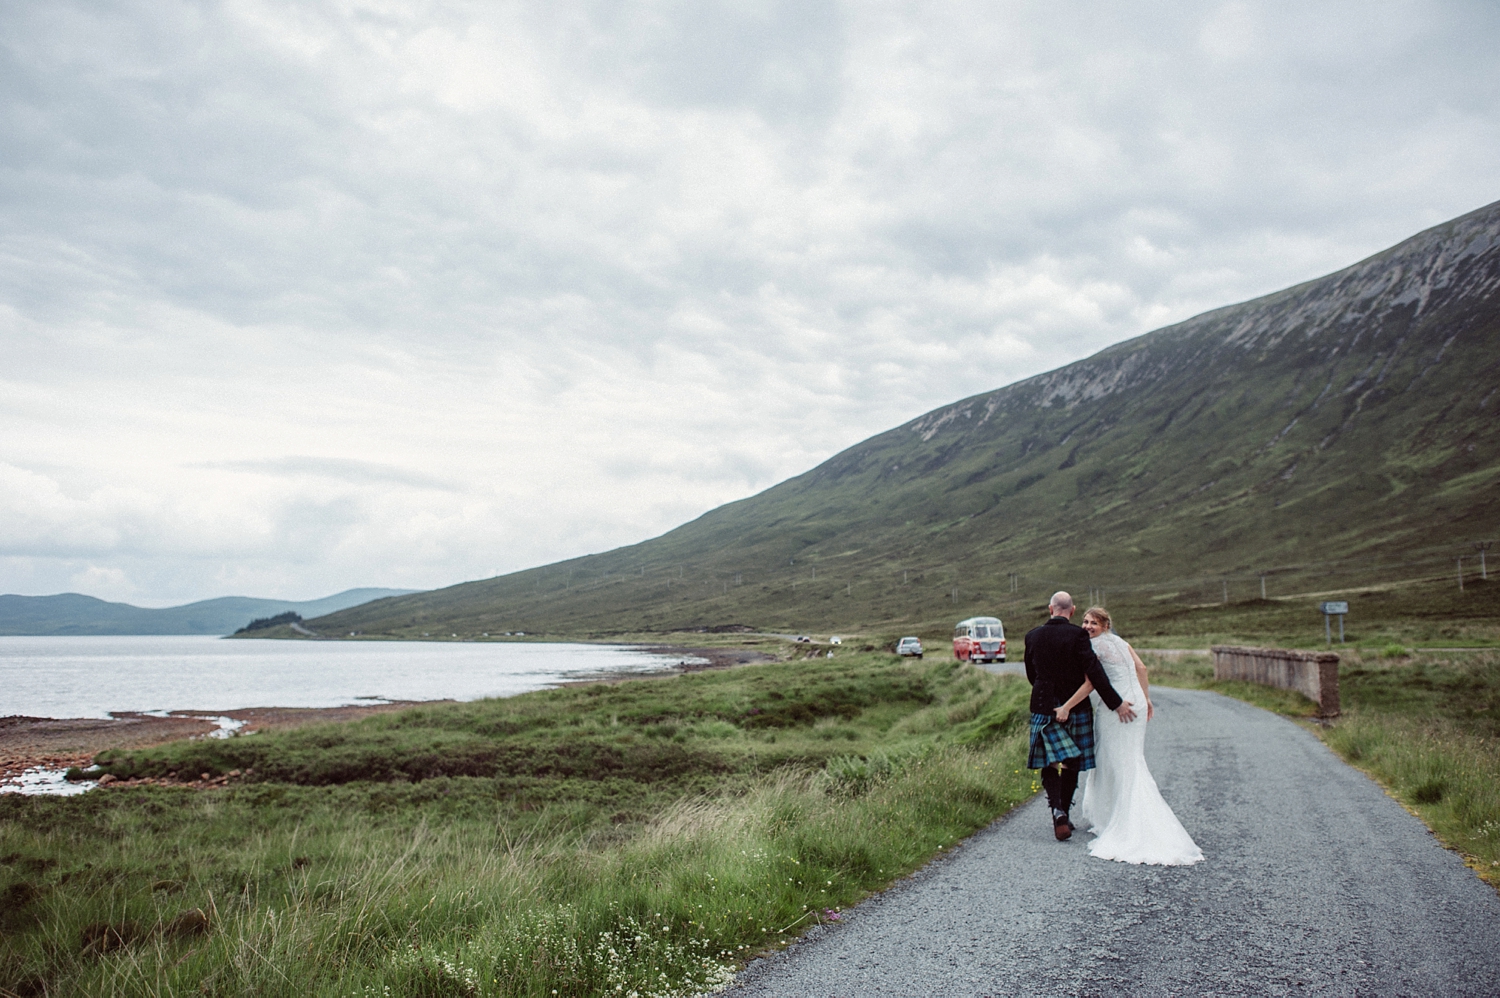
(909, 646)
(835, 640)
(803, 639)
(979, 639)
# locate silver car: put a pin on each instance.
(909, 646)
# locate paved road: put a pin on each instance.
(1316, 883)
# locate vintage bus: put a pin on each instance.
(979, 639)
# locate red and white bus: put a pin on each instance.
(979, 639)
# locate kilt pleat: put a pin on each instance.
(1053, 742)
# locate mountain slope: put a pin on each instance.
(72, 613)
(1338, 432)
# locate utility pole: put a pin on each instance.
(1482, 547)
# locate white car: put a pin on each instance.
(909, 646)
(835, 640)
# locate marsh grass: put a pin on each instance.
(483, 885)
(1439, 769)
(1425, 725)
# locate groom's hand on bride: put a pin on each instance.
(1126, 714)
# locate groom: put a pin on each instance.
(1059, 656)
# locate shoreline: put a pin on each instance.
(53, 743)
(29, 743)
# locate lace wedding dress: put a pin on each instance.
(1130, 820)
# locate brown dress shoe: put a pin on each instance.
(1062, 828)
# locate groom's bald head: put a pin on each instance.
(1061, 605)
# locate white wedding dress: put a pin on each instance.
(1121, 803)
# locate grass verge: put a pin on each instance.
(642, 838)
(1424, 725)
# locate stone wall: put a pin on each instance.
(1314, 674)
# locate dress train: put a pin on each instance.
(1122, 804)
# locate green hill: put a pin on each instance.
(1337, 434)
(73, 613)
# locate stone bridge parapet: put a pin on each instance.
(1314, 674)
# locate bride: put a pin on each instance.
(1130, 820)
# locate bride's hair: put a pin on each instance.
(1100, 614)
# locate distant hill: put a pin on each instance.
(71, 613)
(1339, 432)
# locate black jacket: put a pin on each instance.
(1059, 656)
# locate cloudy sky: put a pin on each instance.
(296, 297)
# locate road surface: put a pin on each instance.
(1316, 883)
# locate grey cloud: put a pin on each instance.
(675, 250)
(778, 58)
(336, 468)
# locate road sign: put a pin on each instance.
(1333, 608)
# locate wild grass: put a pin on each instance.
(1425, 725)
(502, 884)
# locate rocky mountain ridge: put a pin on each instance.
(1337, 431)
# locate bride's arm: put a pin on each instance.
(1073, 701)
(1140, 673)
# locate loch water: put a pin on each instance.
(96, 675)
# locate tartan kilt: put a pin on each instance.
(1052, 742)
